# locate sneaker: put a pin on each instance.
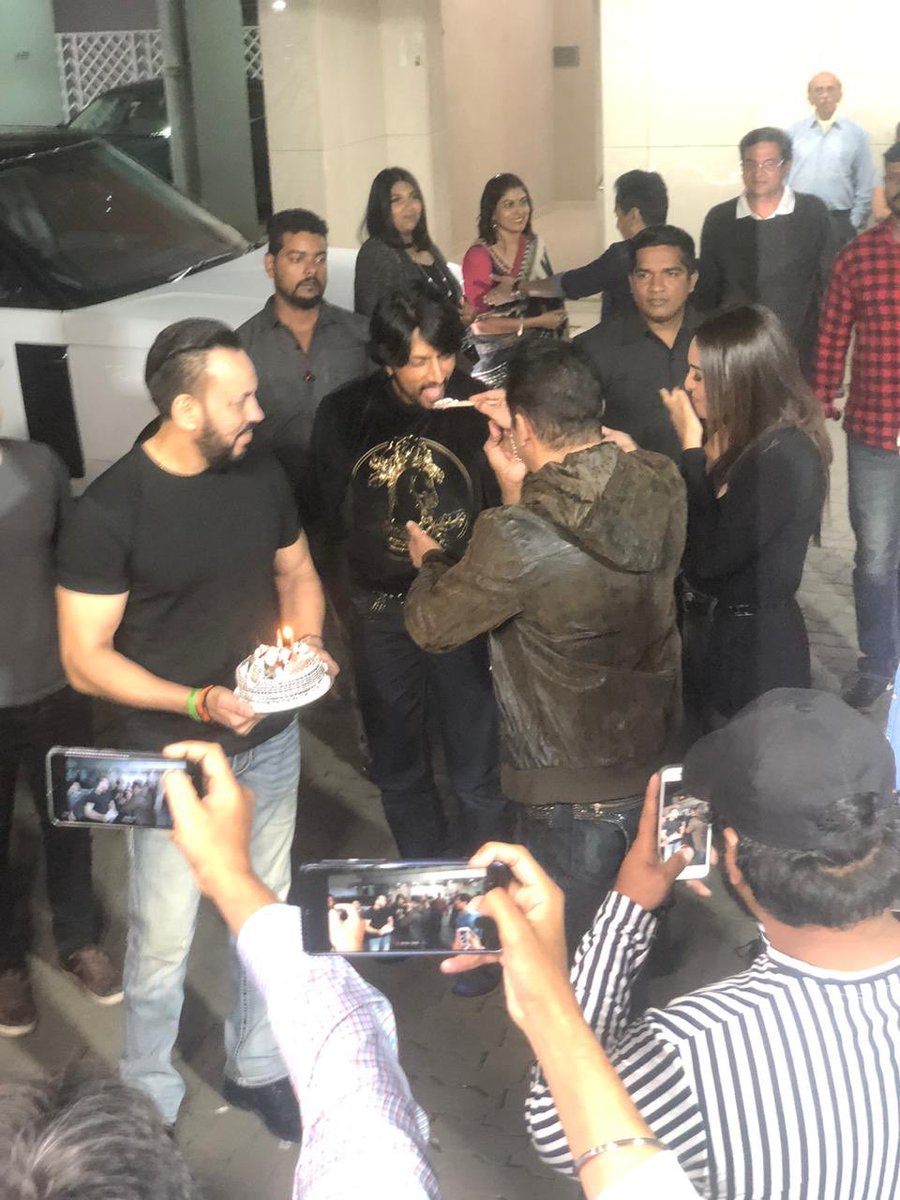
(18, 1014)
(274, 1103)
(862, 690)
(480, 981)
(91, 967)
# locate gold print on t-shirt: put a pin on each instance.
(413, 457)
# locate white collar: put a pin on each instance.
(785, 205)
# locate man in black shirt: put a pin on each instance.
(302, 347)
(638, 354)
(641, 200)
(770, 245)
(386, 452)
(177, 563)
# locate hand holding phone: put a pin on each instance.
(684, 824)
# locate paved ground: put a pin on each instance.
(467, 1064)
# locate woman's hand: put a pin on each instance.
(548, 320)
(684, 418)
(467, 311)
(619, 438)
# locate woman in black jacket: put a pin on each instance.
(757, 478)
(399, 254)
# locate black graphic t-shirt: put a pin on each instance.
(379, 462)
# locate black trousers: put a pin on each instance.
(27, 732)
(401, 689)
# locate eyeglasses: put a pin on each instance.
(767, 164)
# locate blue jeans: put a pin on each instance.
(162, 915)
(581, 853)
(874, 498)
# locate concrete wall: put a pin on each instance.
(499, 73)
(575, 94)
(680, 86)
(29, 77)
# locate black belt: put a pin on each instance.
(699, 602)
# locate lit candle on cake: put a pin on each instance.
(288, 636)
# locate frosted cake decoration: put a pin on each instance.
(278, 678)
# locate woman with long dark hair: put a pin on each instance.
(507, 246)
(398, 254)
(757, 478)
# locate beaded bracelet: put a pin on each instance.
(620, 1143)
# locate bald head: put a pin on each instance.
(824, 93)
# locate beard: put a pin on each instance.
(297, 299)
(220, 452)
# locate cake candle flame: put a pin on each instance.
(285, 636)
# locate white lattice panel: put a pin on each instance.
(91, 63)
(253, 51)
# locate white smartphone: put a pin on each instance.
(683, 822)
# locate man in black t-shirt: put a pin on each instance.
(386, 452)
(177, 563)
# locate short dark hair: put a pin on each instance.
(494, 189)
(398, 315)
(77, 1134)
(177, 359)
(554, 385)
(892, 154)
(379, 221)
(767, 133)
(646, 191)
(835, 890)
(664, 235)
(293, 220)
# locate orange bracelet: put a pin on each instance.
(202, 706)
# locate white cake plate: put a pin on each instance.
(315, 693)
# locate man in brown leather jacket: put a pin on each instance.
(573, 576)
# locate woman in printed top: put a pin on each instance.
(507, 246)
(399, 254)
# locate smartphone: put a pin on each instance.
(110, 789)
(354, 906)
(683, 822)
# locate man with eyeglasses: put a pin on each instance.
(301, 346)
(770, 245)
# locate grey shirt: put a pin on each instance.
(34, 499)
(292, 382)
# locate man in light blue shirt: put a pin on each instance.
(832, 159)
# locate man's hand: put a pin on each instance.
(504, 461)
(529, 918)
(346, 929)
(420, 543)
(643, 876)
(315, 643)
(492, 404)
(229, 710)
(684, 418)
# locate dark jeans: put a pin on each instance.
(397, 684)
(581, 853)
(874, 498)
(27, 732)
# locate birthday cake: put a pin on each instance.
(278, 678)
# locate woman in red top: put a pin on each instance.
(507, 246)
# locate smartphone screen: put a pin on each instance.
(108, 789)
(683, 823)
(397, 908)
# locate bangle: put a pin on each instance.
(521, 328)
(192, 705)
(203, 706)
(620, 1143)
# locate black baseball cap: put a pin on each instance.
(776, 771)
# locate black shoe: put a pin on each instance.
(862, 690)
(274, 1103)
(479, 982)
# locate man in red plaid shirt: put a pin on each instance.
(864, 298)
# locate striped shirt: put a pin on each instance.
(864, 297)
(783, 1081)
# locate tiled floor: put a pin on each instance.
(467, 1064)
